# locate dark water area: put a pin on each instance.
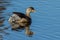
(3, 5)
(45, 21)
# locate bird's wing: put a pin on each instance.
(21, 15)
(23, 20)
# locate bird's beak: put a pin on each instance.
(33, 11)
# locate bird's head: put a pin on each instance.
(30, 10)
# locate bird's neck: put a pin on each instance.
(28, 14)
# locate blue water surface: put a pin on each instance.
(45, 21)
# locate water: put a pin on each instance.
(45, 21)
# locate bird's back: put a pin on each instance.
(22, 15)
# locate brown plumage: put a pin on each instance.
(23, 16)
(25, 20)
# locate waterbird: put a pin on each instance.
(24, 20)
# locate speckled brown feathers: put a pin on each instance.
(21, 15)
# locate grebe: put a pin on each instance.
(21, 20)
